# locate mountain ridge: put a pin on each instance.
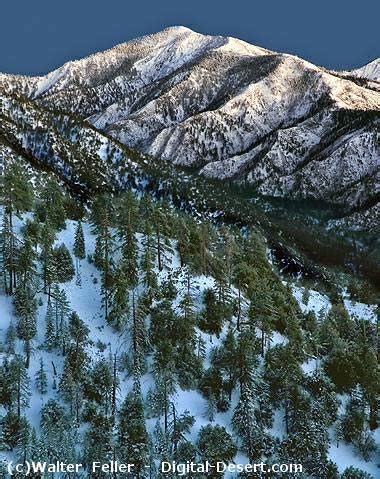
(233, 111)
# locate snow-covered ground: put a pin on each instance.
(85, 300)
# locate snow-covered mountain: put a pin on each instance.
(371, 71)
(230, 109)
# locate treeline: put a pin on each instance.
(148, 257)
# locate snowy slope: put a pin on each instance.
(230, 109)
(86, 301)
(371, 71)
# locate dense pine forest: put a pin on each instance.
(132, 331)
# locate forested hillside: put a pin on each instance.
(130, 331)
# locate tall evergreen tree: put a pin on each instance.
(133, 441)
(16, 195)
(103, 216)
(41, 378)
(25, 309)
(79, 249)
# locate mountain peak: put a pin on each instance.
(371, 70)
(230, 109)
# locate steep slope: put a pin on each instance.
(232, 111)
(80, 156)
(371, 71)
(105, 343)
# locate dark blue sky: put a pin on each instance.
(37, 36)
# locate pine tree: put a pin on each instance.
(139, 336)
(262, 312)
(79, 249)
(181, 426)
(103, 218)
(16, 195)
(23, 441)
(252, 416)
(41, 378)
(51, 209)
(354, 427)
(47, 257)
(161, 446)
(244, 421)
(127, 218)
(323, 390)
(57, 434)
(61, 308)
(246, 357)
(101, 385)
(50, 333)
(119, 300)
(18, 385)
(98, 443)
(26, 268)
(308, 444)
(164, 367)
(9, 252)
(133, 442)
(25, 309)
(10, 339)
(63, 264)
(148, 259)
(183, 242)
(212, 317)
(12, 428)
(354, 473)
(225, 358)
(215, 444)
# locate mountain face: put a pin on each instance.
(230, 110)
(371, 71)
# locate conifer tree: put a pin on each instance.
(15, 431)
(262, 312)
(127, 219)
(119, 300)
(41, 378)
(79, 249)
(51, 209)
(354, 426)
(139, 336)
(57, 434)
(252, 416)
(308, 444)
(225, 359)
(148, 259)
(183, 242)
(283, 373)
(355, 473)
(61, 308)
(50, 333)
(64, 267)
(102, 218)
(26, 268)
(98, 443)
(23, 441)
(133, 441)
(16, 195)
(212, 317)
(165, 381)
(215, 444)
(18, 385)
(76, 364)
(47, 257)
(25, 309)
(10, 339)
